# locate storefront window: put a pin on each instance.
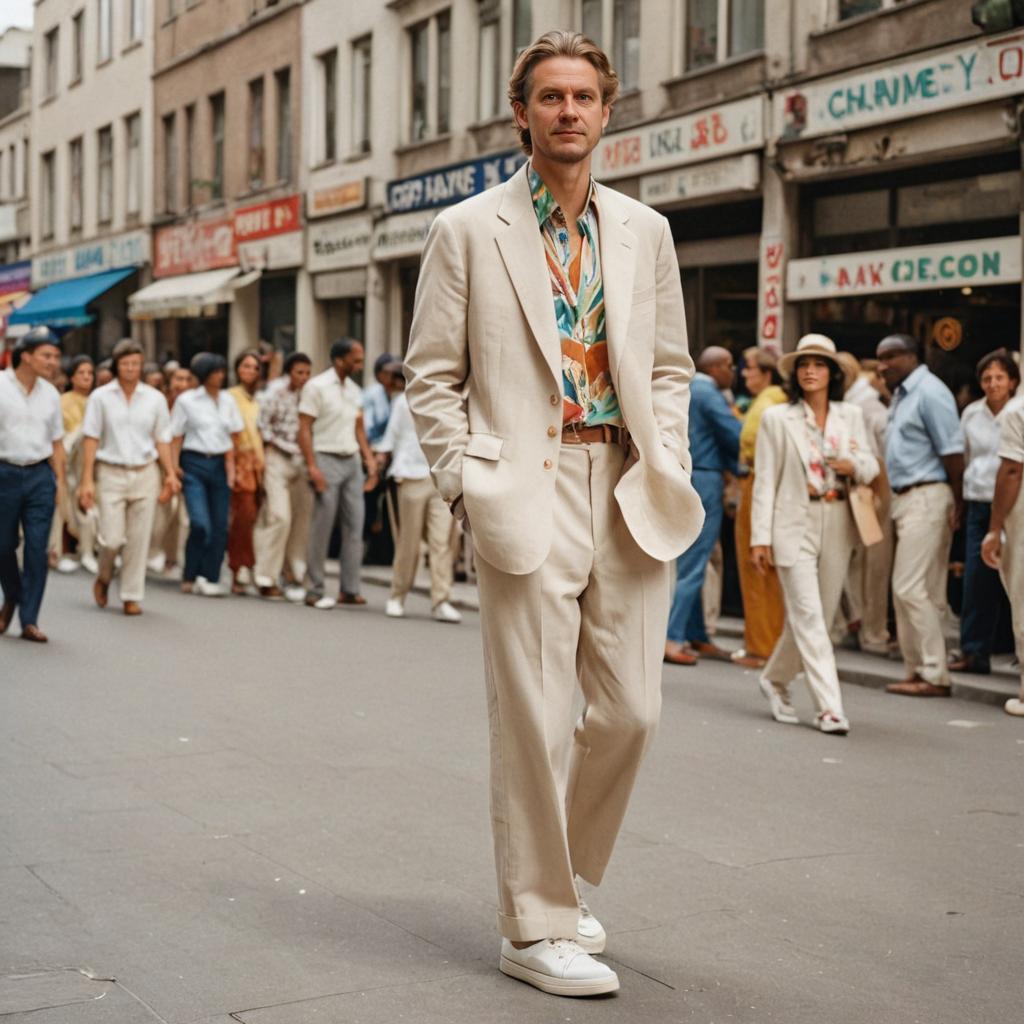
(277, 311)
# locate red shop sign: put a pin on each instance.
(189, 248)
(278, 217)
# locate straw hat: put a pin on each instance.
(814, 345)
(851, 368)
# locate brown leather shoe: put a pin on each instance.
(918, 688)
(708, 650)
(344, 598)
(99, 591)
(971, 663)
(6, 614)
(749, 661)
(132, 608)
(271, 593)
(677, 656)
(34, 634)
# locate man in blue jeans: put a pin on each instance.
(31, 469)
(714, 445)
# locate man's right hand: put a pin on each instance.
(86, 495)
(317, 479)
(761, 558)
(992, 549)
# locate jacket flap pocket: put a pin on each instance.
(485, 446)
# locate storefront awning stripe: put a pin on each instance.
(64, 304)
(184, 295)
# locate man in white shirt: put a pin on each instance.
(127, 428)
(420, 512)
(331, 439)
(31, 470)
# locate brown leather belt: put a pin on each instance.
(604, 434)
(911, 487)
(829, 496)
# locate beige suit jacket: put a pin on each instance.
(781, 499)
(484, 371)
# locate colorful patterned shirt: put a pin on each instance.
(577, 288)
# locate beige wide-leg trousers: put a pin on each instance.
(421, 512)
(1011, 570)
(282, 527)
(591, 618)
(812, 588)
(127, 501)
(919, 575)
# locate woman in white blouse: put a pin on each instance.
(807, 452)
(983, 593)
(206, 425)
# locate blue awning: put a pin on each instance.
(63, 304)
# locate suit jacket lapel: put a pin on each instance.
(618, 268)
(522, 251)
(797, 430)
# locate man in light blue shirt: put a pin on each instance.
(924, 458)
(377, 400)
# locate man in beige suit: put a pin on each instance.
(548, 378)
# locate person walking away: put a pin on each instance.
(421, 515)
(282, 528)
(126, 433)
(808, 451)
(1003, 546)
(924, 459)
(32, 468)
(377, 399)
(714, 434)
(205, 425)
(548, 378)
(249, 464)
(332, 439)
(983, 597)
(763, 611)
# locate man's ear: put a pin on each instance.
(519, 115)
(605, 115)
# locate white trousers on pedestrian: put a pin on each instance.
(422, 514)
(919, 572)
(1011, 570)
(127, 500)
(811, 589)
(282, 527)
(170, 531)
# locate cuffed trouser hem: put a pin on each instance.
(557, 924)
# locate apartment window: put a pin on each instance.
(522, 25)
(77, 46)
(136, 20)
(430, 50)
(329, 104)
(49, 196)
(719, 29)
(854, 8)
(190, 154)
(104, 30)
(256, 146)
(133, 164)
(444, 71)
(592, 18)
(283, 88)
(51, 54)
(170, 139)
(12, 170)
(488, 89)
(418, 39)
(75, 174)
(105, 175)
(362, 62)
(626, 35)
(217, 145)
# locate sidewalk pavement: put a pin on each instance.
(855, 667)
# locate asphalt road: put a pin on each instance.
(231, 811)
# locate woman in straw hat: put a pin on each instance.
(808, 451)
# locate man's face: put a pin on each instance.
(44, 361)
(895, 363)
(563, 109)
(722, 373)
(181, 380)
(353, 362)
(129, 368)
(298, 375)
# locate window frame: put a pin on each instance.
(435, 31)
(327, 139)
(51, 63)
(48, 194)
(488, 80)
(104, 25)
(362, 94)
(190, 155)
(105, 175)
(217, 103)
(723, 40)
(77, 46)
(256, 134)
(136, 25)
(169, 141)
(133, 183)
(76, 187)
(283, 147)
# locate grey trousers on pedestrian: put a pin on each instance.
(342, 502)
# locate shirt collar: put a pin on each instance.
(913, 379)
(544, 204)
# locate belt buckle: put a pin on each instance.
(571, 433)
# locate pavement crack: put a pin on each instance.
(804, 856)
(31, 869)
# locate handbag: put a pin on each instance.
(862, 506)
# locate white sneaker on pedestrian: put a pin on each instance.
(830, 722)
(66, 565)
(323, 604)
(90, 565)
(1014, 706)
(559, 967)
(446, 612)
(590, 935)
(778, 701)
(205, 588)
(395, 608)
(244, 576)
(295, 593)
(157, 563)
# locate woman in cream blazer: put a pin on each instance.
(808, 452)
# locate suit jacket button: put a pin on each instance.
(552, 432)
(554, 399)
(548, 463)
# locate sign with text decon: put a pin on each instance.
(954, 77)
(919, 268)
(447, 185)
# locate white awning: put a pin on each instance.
(188, 294)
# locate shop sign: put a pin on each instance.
(404, 235)
(275, 252)
(446, 185)
(771, 269)
(128, 250)
(339, 244)
(954, 77)
(976, 263)
(278, 217)
(737, 174)
(190, 248)
(704, 135)
(15, 277)
(341, 197)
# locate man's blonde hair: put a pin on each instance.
(559, 43)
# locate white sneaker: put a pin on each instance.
(1014, 706)
(559, 967)
(295, 593)
(590, 935)
(205, 588)
(90, 565)
(395, 608)
(157, 563)
(828, 721)
(65, 564)
(778, 701)
(446, 612)
(324, 603)
(244, 576)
